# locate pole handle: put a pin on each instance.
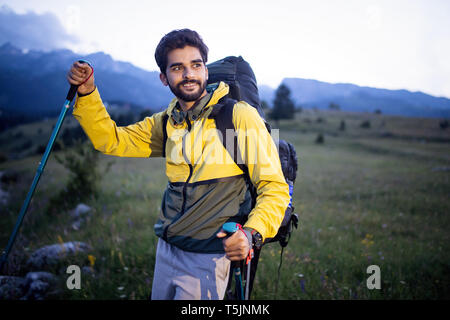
(72, 91)
(73, 88)
(230, 227)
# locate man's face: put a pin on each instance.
(186, 74)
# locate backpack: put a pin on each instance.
(239, 76)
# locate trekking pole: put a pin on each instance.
(247, 281)
(70, 95)
(230, 228)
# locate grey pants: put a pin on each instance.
(183, 275)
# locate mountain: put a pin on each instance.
(312, 93)
(33, 83)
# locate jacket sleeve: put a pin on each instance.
(142, 139)
(260, 155)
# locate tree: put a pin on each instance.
(83, 163)
(443, 124)
(320, 139)
(365, 124)
(334, 106)
(265, 105)
(283, 106)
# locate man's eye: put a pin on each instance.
(197, 65)
(176, 68)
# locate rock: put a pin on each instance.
(80, 211)
(4, 195)
(52, 254)
(12, 288)
(41, 284)
(41, 276)
(37, 290)
(77, 224)
(34, 286)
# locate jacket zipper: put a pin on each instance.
(183, 207)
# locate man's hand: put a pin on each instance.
(78, 73)
(236, 246)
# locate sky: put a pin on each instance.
(401, 44)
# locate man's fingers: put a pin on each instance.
(235, 255)
(221, 234)
(78, 72)
(76, 77)
(81, 75)
(71, 81)
(83, 66)
(235, 246)
(74, 80)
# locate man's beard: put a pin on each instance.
(188, 97)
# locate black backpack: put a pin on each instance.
(237, 73)
(239, 76)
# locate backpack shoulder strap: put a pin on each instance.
(223, 116)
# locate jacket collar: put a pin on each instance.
(218, 93)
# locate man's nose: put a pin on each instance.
(188, 73)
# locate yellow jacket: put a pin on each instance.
(206, 188)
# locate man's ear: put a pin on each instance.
(163, 79)
(207, 74)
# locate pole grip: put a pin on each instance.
(230, 227)
(72, 91)
(73, 88)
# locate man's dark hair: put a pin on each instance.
(178, 39)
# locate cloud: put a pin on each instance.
(33, 31)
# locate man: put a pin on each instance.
(206, 188)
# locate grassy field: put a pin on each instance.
(375, 194)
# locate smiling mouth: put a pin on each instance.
(189, 85)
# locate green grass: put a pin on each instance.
(366, 196)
